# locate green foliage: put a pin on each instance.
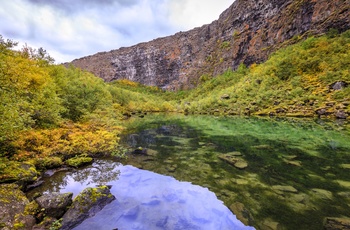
(81, 92)
(225, 45)
(28, 97)
(134, 96)
(294, 80)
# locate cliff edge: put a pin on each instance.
(247, 32)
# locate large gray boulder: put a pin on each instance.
(55, 204)
(85, 205)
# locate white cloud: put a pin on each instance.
(188, 14)
(71, 29)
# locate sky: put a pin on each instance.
(70, 29)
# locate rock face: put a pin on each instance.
(55, 204)
(13, 203)
(246, 33)
(85, 205)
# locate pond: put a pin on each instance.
(273, 173)
(144, 200)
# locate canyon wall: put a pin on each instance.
(247, 32)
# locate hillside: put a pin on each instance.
(247, 32)
(307, 79)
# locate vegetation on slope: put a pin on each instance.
(296, 81)
(49, 113)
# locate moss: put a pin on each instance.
(32, 208)
(47, 162)
(79, 161)
(17, 171)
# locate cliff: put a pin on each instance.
(247, 32)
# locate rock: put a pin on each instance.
(269, 224)
(341, 114)
(20, 172)
(232, 159)
(241, 164)
(280, 189)
(321, 111)
(151, 152)
(242, 213)
(322, 194)
(235, 153)
(13, 203)
(345, 166)
(294, 163)
(338, 85)
(77, 162)
(85, 205)
(225, 97)
(55, 204)
(331, 223)
(48, 223)
(140, 150)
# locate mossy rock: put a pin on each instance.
(85, 205)
(79, 161)
(48, 163)
(13, 203)
(55, 204)
(22, 173)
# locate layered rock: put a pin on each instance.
(246, 33)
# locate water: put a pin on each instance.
(292, 173)
(144, 200)
(297, 170)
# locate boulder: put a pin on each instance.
(55, 204)
(13, 203)
(20, 172)
(321, 111)
(225, 96)
(338, 85)
(234, 159)
(280, 189)
(341, 114)
(79, 161)
(242, 213)
(331, 223)
(85, 205)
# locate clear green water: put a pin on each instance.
(298, 170)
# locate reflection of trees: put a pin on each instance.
(100, 172)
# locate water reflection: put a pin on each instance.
(101, 172)
(292, 173)
(144, 200)
(150, 201)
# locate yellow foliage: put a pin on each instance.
(69, 140)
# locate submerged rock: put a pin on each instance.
(55, 204)
(331, 223)
(232, 159)
(345, 166)
(242, 213)
(280, 189)
(85, 205)
(322, 194)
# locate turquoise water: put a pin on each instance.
(272, 173)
